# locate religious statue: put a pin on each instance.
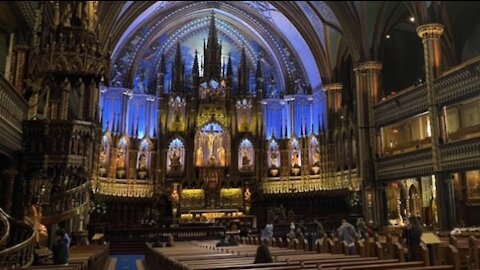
(120, 163)
(295, 159)
(142, 162)
(316, 157)
(221, 156)
(245, 159)
(199, 156)
(274, 160)
(247, 195)
(120, 160)
(174, 196)
(175, 157)
(33, 217)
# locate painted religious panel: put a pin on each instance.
(210, 146)
(473, 186)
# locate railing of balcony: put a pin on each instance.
(19, 246)
(13, 110)
(127, 189)
(64, 205)
(334, 181)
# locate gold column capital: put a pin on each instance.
(431, 30)
(368, 65)
(333, 87)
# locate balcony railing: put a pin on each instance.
(405, 165)
(335, 181)
(20, 244)
(13, 110)
(127, 189)
(64, 205)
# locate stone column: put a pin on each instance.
(367, 77)
(431, 39)
(333, 93)
(20, 67)
(8, 184)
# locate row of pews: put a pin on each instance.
(91, 257)
(205, 255)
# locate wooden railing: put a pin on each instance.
(20, 244)
(152, 234)
(65, 204)
(4, 228)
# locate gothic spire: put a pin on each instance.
(229, 67)
(195, 71)
(243, 74)
(212, 53)
(178, 71)
(163, 67)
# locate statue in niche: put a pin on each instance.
(295, 159)
(247, 195)
(316, 157)
(103, 161)
(67, 15)
(199, 156)
(175, 163)
(120, 163)
(245, 158)
(142, 162)
(274, 160)
(175, 157)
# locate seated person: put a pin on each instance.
(223, 242)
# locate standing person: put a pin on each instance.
(263, 253)
(60, 248)
(346, 234)
(362, 228)
(319, 229)
(412, 234)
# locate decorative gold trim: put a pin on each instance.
(431, 30)
(333, 87)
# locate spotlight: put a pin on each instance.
(412, 19)
(387, 36)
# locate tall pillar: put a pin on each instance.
(8, 184)
(20, 67)
(431, 39)
(333, 92)
(367, 77)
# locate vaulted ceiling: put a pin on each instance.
(314, 41)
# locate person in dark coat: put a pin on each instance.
(263, 254)
(60, 248)
(412, 234)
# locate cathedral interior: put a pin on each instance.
(196, 117)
